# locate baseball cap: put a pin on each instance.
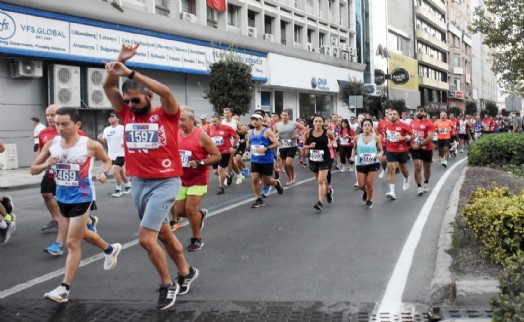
(203, 117)
(257, 116)
(111, 114)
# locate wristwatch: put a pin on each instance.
(201, 163)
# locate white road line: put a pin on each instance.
(392, 301)
(44, 278)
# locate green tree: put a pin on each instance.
(398, 105)
(353, 87)
(502, 24)
(230, 84)
(455, 110)
(471, 107)
(492, 109)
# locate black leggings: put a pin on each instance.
(345, 153)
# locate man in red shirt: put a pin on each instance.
(488, 124)
(197, 152)
(397, 134)
(153, 160)
(422, 148)
(221, 135)
(454, 130)
(380, 130)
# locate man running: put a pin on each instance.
(463, 132)
(286, 130)
(226, 140)
(36, 132)
(443, 127)
(71, 157)
(7, 218)
(380, 129)
(153, 159)
(197, 152)
(422, 148)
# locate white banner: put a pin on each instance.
(66, 39)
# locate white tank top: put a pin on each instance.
(231, 123)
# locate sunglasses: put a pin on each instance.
(135, 100)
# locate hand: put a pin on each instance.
(100, 137)
(312, 145)
(52, 161)
(127, 52)
(101, 177)
(352, 159)
(117, 69)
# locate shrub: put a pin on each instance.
(497, 149)
(509, 306)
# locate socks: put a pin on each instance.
(109, 249)
(3, 224)
(128, 184)
(66, 286)
(392, 187)
(118, 188)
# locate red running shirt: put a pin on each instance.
(420, 133)
(222, 137)
(190, 149)
(392, 131)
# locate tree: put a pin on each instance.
(398, 105)
(491, 109)
(352, 87)
(230, 84)
(471, 108)
(502, 24)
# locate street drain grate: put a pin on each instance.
(408, 313)
(462, 313)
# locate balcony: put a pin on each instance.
(431, 19)
(439, 5)
(433, 62)
(434, 84)
(426, 37)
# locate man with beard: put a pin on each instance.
(153, 160)
(422, 148)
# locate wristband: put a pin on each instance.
(106, 173)
(130, 76)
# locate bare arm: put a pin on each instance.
(211, 149)
(96, 149)
(271, 137)
(43, 160)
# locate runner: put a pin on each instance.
(204, 125)
(153, 159)
(367, 152)
(36, 132)
(71, 157)
(320, 161)
(197, 151)
(463, 132)
(241, 150)
(113, 135)
(380, 129)
(477, 127)
(454, 131)
(226, 139)
(443, 127)
(422, 148)
(346, 136)
(286, 130)
(489, 125)
(7, 217)
(232, 167)
(262, 141)
(397, 135)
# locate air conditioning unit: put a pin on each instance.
(317, 50)
(9, 159)
(64, 85)
(334, 41)
(26, 68)
(345, 55)
(269, 37)
(252, 32)
(309, 46)
(335, 51)
(344, 46)
(326, 50)
(189, 17)
(95, 96)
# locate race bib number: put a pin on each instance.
(232, 140)
(367, 158)
(67, 175)
(392, 136)
(443, 131)
(142, 136)
(344, 141)
(462, 129)
(316, 155)
(185, 156)
(286, 143)
(257, 150)
(218, 140)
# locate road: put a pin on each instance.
(286, 255)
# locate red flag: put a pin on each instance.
(218, 5)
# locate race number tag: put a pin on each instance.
(367, 158)
(232, 140)
(462, 129)
(257, 150)
(67, 175)
(142, 136)
(344, 141)
(392, 136)
(218, 140)
(316, 155)
(186, 157)
(443, 131)
(286, 143)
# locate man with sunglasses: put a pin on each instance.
(153, 160)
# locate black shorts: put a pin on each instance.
(224, 161)
(315, 167)
(454, 138)
(241, 149)
(288, 152)
(74, 209)
(35, 147)
(48, 185)
(119, 161)
(464, 137)
(400, 157)
(443, 143)
(264, 169)
(424, 155)
(374, 167)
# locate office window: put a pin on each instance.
(189, 6)
(212, 18)
(251, 18)
(268, 21)
(232, 15)
(298, 34)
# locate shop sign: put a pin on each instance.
(459, 94)
(380, 77)
(319, 83)
(400, 76)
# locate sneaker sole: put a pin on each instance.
(258, 206)
(197, 273)
(55, 300)
(195, 249)
(53, 254)
(391, 197)
(171, 303)
(113, 265)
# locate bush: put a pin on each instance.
(497, 149)
(509, 306)
(497, 219)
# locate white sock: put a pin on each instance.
(3, 224)
(392, 187)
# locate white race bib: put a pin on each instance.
(218, 140)
(142, 136)
(186, 157)
(316, 155)
(344, 141)
(67, 175)
(286, 143)
(367, 158)
(462, 129)
(392, 136)
(257, 150)
(443, 131)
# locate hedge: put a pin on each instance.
(497, 149)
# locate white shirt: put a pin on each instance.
(115, 141)
(407, 121)
(37, 131)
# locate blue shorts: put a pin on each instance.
(153, 200)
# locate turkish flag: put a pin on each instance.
(218, 5)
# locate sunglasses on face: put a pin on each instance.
(135, 100)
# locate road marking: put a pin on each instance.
(392, 301)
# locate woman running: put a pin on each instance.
(345, 137)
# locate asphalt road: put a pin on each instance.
(284, 252)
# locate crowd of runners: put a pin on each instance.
(162, 157)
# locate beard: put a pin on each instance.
(420, 116)
(142, 111)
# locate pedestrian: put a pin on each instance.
(71, 157)
(422, 148)
(517, 123)
(226, 140)
(7, 217)
(286, 131)
(38, 128)
(444, 127)
(153, 160)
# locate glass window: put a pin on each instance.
(267, 24)
(307, 105)
(279, 102)
(298, 34)
(232, 14)
(250, 18)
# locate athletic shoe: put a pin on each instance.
(59, 294)
(391, 195)
(230, 179)
(329, 196)
(185, 281)
(5, 234)
(407, 180)
(420, 191)
(245, 172)
(174, 225)
(426, 187)
(111, 259)
(195, 244)
(351, 168)
(356, 184)
(220, 191)
(240, 179)
(7, 202)
(56, 249)
(258, 203)
(445, 163)
(337, 166)
(279, 188)
(364, 196)
(461, 151)
(381, 174)
(167, 296)
(117, 194)
(368, 205)
(92, 225)
(344, 168)
(204, 213)
(51, 225)
(265, 191)
(127, 190)
(318, 206)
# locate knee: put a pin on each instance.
(147, 243)
(73, 244)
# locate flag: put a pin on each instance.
(218, 5)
